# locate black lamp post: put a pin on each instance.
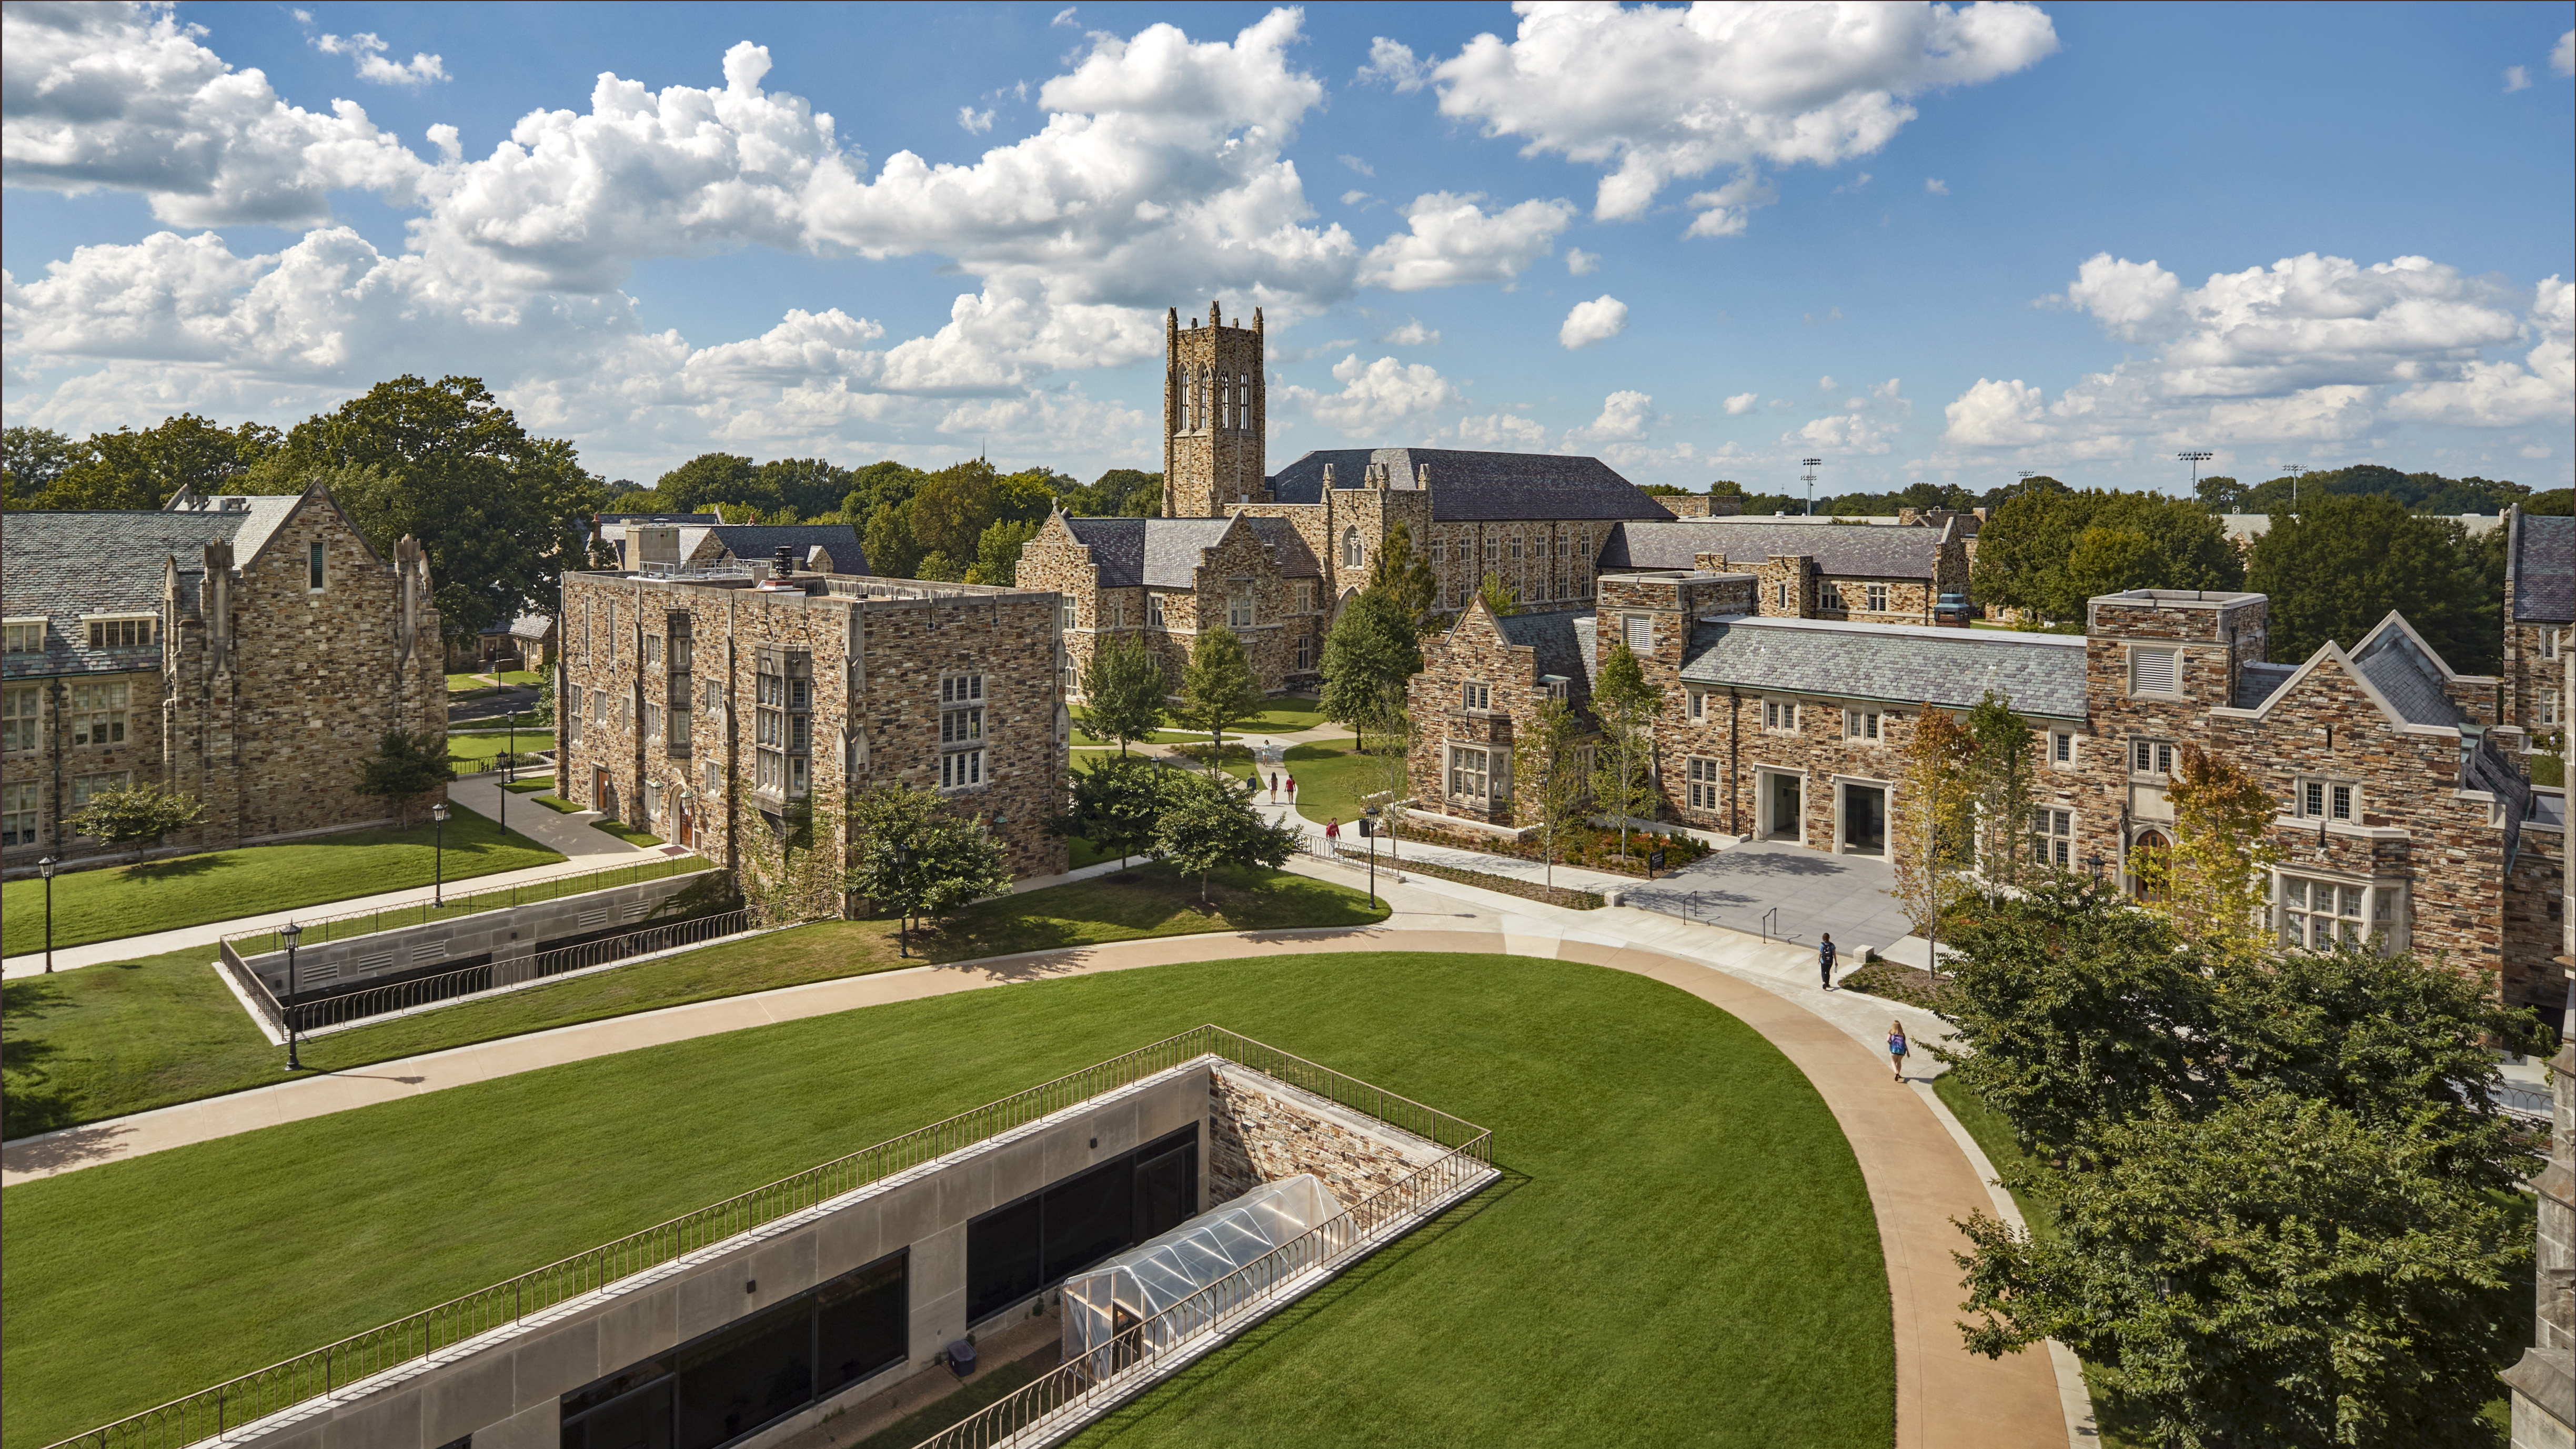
(45, 868)
(903, 872)
(438, 857)
(290, 933)
(1370, 815)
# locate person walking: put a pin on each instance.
(1292, 792)
(1897, 1048)
(1274, 787)
(1825, 960)
(1332, 831)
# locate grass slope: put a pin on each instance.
(189, 890)
(103, 1041)
(1682, 1251)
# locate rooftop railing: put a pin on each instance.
(319, 1373)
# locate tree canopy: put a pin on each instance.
(1369, 659)
(2337, 568)
(2049, 549)
(1124, 691)
(134, 469)
(2417, 492)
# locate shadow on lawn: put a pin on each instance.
(186, 865)
(1297, 1315)
(29, 1101)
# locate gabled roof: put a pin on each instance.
(1554, 639)
(1470, 486)
(2544, 569)
(755, 542)
(1892, 551)
(2257, 682)
(67, 565)
(1165, 553)
(2041, 674)
(2407, 674)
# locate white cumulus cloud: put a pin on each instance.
(1935, 186)
(1453, 240)
(2516, 78)
(369, 52)
(973, 121)
(1601, 318)
(2562, 56)
(1657, 93)
(1624, 418)
(1393, 61)
(1502, 433)
(1742, 403)
(1580, 263)
(1412, 334)
(1375, 396)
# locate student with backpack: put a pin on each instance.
(1897, 1048)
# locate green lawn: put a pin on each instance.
(529, 784)
(464, 684)
(623, 832)
(187, 890)
(1681, 1251)
(103, 1041)
(527, 719)
(1331, 778)
(521, 676)
(558, 805)
(474, 754)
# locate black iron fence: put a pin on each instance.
(419, 913)
(357, 1004)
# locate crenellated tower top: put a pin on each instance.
(1213, 415)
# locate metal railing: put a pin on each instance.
(320, 1372)
(354, 1008)
(394, 918)
(1137, 1356)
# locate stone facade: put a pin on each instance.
(708, 706)
(261, 649)
(1167, 580)
(1214, 410)
(1261, 1129)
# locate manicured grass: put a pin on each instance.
(527, 719)
(620, 829)
(104, 1041)
(529, 784)
(188, 890)
(521, 676)
(1331, 779)
(467, 684)
(474, 754)
(1682, 1249)
(558, 805)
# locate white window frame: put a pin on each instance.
(1476, 694)
(1786, 602)
(2326, 797)
(1862, 726)
(1238, 608)
(1779, 716)
(2143, 667)
(22, 717)
(1829, 595)
(1305, 596)
(2381, 907)
(1354, 552)
(2052, 836)
(85, 787)
(1067, 619)
(1696, 704)
(100, 718)
(25, 634)
(1876, 596)
(1637, 629)
(1440, 550)
(1701, 783)
(2150, 758)
(1470, 773)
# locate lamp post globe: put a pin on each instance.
(438, 854)
(45, 868)
(290, 933)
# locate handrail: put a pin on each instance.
(394, 918)
(318, 1372)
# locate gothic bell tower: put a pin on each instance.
(1213, 411)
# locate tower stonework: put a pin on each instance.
(1213, 415)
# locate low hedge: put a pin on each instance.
(1589, 846)
(1908, 984)
(1571, 899)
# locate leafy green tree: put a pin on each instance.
(404, 767)
(2049, 549)
(1498, 596)
(1548, 781)
(1218, 689)
(912, 851)
(1209, 820)
(131, 469)
(953, 508)
(880, 485)
(30, 460)
(498, 512)
(543, 711)
(1125, 691)
(997, 551)
(135, 815)
(1403, 576)
(712, 478)
(1118, 493)
(2000, 783)
(1117, 804)
(2555, 503)
(2338, 567)
(1625, 703)
(1369, 656)
(2214, 881)
(2418, 492)
(2220, 494)
(1027, 496)
(892, 550)
(805, 488)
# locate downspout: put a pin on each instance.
(1734, 750)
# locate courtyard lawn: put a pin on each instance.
(1681, 1250)
(188, 890)
(625, 832)
(104, 1041)
(529, 784)
(1331, 779)
(474, 754)
(465, 684)
(521, 676)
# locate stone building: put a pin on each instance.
(1478, 678)
(1165, 579)
(685, 542)
(2539, 618)
(705, 705)
(1887, 573)
(2404, 815)
(248, 651)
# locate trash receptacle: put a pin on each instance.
(961, 1358)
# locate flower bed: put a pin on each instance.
(1589, 846)
(1900, 983)
(1573, 900)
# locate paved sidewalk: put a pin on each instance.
(1919, 1180)
(583, 848)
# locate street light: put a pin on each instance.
(438, 883)
(1810, 476)
(45, 868)
(290, 933)
(1369, 829)
(903, 871)
(2195, 458)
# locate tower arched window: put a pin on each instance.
(1188, 419)
(1243, 400)
(1224, 403)
(1352, 554)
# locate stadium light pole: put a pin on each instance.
(1810, 476)
(2296, 471)
(2195, 458)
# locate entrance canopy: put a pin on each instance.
(1114, 1298)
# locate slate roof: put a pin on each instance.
(2390, 658)
(2544, 569)
(1560, 648)
(2042, 674)
(1467, 487)
(1165, 553)
(2257, 682)
(526, 626)
(1887, 552)
(67, 565)
(760, 542)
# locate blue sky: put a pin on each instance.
(1916, 242)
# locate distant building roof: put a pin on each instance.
(526, 626)
(2408, 677)
(1165, 553)
(2544, 569)
(754, 542)
(2041, 674)
(1469, 486)
(2246, 527)
(660, 518)
(1888, 552)
(67, 565)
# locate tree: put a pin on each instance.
(135, 815)
(997, 552)
(130, 469)
(1402, 575)
(2214, 881)
(1369, 657)
(2049, 549)
(30, 460)
(1548, 784)
(1937, 805)
(499, 513)
(2280, 1272)
(1209, 820)
(1219, 689)
(2419, 492)
(1625, 703)
(892, 550)
(952, 509)
(1124, 691)
(803, 487)
(404, 767)
(712, 478)
(543, 711)
(881, 485)
(1117, 804)
(2220, 494)
(1498, 596)
(2001, 774)
(910, 850)
(2341, 564)
(1118, 493)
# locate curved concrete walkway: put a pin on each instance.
(1920, 1169)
